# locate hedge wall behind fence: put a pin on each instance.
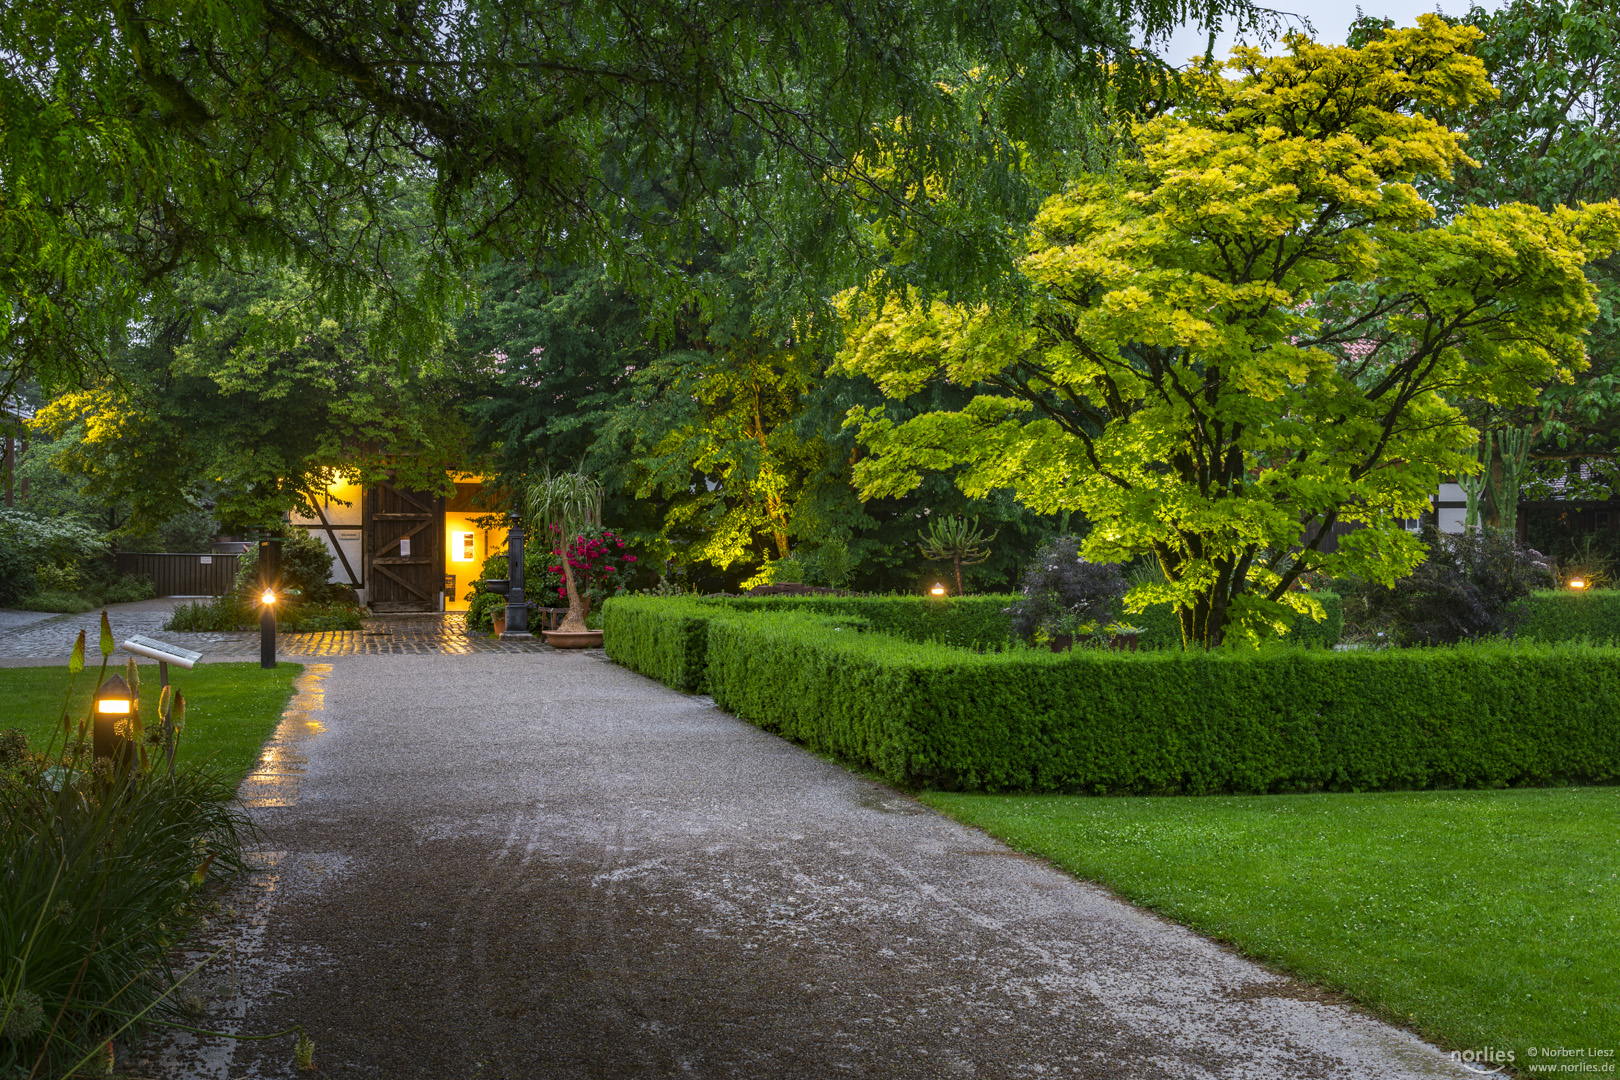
(1093, 721)
(1567, 615)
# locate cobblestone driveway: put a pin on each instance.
(443, 634)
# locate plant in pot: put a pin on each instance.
(565, 507)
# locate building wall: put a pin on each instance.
(339, 525)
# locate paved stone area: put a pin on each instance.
(50, 639)
(547, 866)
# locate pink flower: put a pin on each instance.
(629, 558)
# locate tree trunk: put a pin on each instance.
(1203, 625)
(578, 603)
(957, 559)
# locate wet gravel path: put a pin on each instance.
(547, 866)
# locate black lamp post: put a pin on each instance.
(517, 610)
(114, 705)
(269, 576)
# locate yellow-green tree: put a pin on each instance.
(1250, 331)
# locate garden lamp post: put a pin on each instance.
(269, 575)
(1577, 583)
(938, 589)
(114, 705)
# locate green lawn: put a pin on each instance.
(230, 708)
(1480, 918)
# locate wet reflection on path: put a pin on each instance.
(275, 781)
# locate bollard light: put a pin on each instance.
(1577, 583)
(938, 589)
(268, 597)
(113, 699)
(114, 704)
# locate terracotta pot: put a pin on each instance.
(573, 639)
(500, 621)
(1060, 642)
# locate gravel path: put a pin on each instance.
(546, 866)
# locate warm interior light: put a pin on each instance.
(938, 589)
(268, 597)
(1577, 583)
(113, 705)
(461, 547)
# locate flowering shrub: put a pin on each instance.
(600, 563)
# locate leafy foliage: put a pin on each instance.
(106, 868)
(1249, 332)
(241, 395)
(1466, 589)
(1063, 591)
(146, 138)
(1552, 139)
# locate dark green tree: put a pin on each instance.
(144, 138)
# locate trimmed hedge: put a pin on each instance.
(974, 622)
(1567, 615)
(982, 622)
(1281, 719)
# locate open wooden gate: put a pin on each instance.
(404, 533)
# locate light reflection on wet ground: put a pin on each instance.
(275, 780)
(244, 970)
(429, 634)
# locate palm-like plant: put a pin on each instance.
(563, 506)
(957, 541)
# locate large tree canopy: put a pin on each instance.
(1250, 331)
(144, 136)
(1553, 139)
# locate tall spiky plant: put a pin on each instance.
(1515, 451)
(1476, 487)
(957, 541)
(564, 505)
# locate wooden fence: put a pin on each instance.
(182, 575)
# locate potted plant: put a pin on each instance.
(563, 507)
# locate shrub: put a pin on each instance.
(319, 618)
(129, 588)
(481, 610)
(1465, 590)
(16, 573)
(227, 612)
(63, 602)
(1276, 719)
(1569, 615)
(306, 563)
(103, 871)
(1063, 593)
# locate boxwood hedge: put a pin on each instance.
(1279, 719)
(1567, 615)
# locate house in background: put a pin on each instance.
(405, 550)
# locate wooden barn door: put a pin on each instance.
(404, 533)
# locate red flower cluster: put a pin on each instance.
(588, 557)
